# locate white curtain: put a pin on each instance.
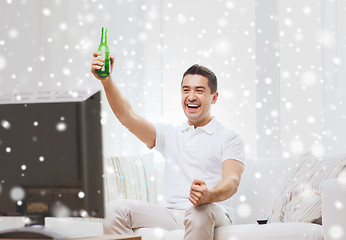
(312, 77)
(334, 75)
(280, 64)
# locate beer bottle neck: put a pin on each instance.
(104, 35)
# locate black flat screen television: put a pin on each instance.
(51, 161)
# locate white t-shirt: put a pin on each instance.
(195, 154)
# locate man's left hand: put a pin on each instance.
(199, 193)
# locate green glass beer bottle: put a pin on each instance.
(104, 49)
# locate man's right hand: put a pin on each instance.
(97, 63)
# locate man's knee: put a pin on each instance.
(122, 208)
(117, 207)
(199, 215)
(117, 215)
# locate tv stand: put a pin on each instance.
(30, 232)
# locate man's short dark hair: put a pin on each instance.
(205, 72)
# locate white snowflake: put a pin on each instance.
(46, 12)
(309, 78)
(13, 33)
(17, 194)
(336, 232)
(61, 127)
(6, 124)
(244, 210)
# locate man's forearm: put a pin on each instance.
(225, 189)
(118, 103)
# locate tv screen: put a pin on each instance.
(51, 155)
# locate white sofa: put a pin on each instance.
(260, 185)
(258, 194)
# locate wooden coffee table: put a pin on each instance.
(110, 237)
(105, 237)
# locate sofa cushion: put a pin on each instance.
(300, 198)
(273, 231)
(130, 177)
(152, 233)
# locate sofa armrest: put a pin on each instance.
(334, 209)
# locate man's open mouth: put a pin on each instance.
(193, 106)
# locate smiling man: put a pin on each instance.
(197, 98)
(204, 162)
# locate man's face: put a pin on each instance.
(197, 99)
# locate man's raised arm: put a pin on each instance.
(139, 126)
